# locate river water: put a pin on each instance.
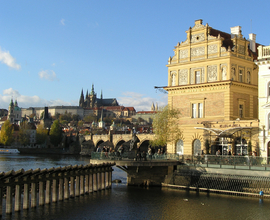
(122, 202)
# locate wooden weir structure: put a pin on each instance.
(24, 189)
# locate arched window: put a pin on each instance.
(197, 147)
(180, 147)
(268, 89)
(173, 79)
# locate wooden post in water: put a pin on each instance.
(81, 184)
(26, 196)
(102, 178)
(66, 190)
(18, 197)
(54, 190)
(87, 182)
(41, 194)
(61, 189)
(33, 195)
(77, 189)
(91, 181)
(48, 192)
(9, 199)
(72, 186)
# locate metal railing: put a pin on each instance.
(235, 162)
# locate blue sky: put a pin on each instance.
(51, 50)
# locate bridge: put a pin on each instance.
(118, 139)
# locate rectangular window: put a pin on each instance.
(197, 77)
(241, 111)
(194, 110)
(200, 110)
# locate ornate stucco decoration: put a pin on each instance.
(212, 73)
(197, 38)
(183, 77)
(197, 51)
(212, 48)
(183, 54)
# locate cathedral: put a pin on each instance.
(91, 100)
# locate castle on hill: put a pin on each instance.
(91, 100)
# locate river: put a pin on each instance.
(122, 202)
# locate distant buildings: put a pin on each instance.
(14, 112)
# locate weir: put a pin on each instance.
(39, 187)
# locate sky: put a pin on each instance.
(51, 50)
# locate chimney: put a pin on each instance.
(252, 40)
(236, 31)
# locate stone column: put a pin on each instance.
(54, 190)
(72, 186)
(61, 189)
(66, 190)
(33, 195)
(26, 196)
(18, 198)
(9, 199)
(41, 193)
(48, 192)
(77, 189)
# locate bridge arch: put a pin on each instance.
(118, 144)
(99, 142)
(144, 144)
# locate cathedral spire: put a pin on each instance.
(81, 99)
(92, 91)
(101, 96)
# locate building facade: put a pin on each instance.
(213, 81)
(263, 61)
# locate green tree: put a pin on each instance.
(90, 118)
(41, 135)
(56, 133)
(166, 127)
(24, 133)
(6, 136)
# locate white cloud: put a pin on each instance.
(48, 75)
(7, 59)
(141, 102)
(62, 21)
(28, 101)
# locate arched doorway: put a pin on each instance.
(180, 147)
(197, 147)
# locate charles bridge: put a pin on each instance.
(119, 139)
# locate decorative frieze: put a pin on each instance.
(223, 49)
(212, 73)
(197, 51)
(197, 38)
(212, 48)
(183, 77)
(241, 49)
(183, 54)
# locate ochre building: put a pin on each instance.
(213, 81)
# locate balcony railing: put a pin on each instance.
(263, 52)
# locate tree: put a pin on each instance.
(6, 136)
(24, 133)
(166, 127)
(90, 118)
(56, 133)
(41, 135)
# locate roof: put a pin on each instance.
(147, 112)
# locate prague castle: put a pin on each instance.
(213, 81)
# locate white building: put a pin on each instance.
(263, 61)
